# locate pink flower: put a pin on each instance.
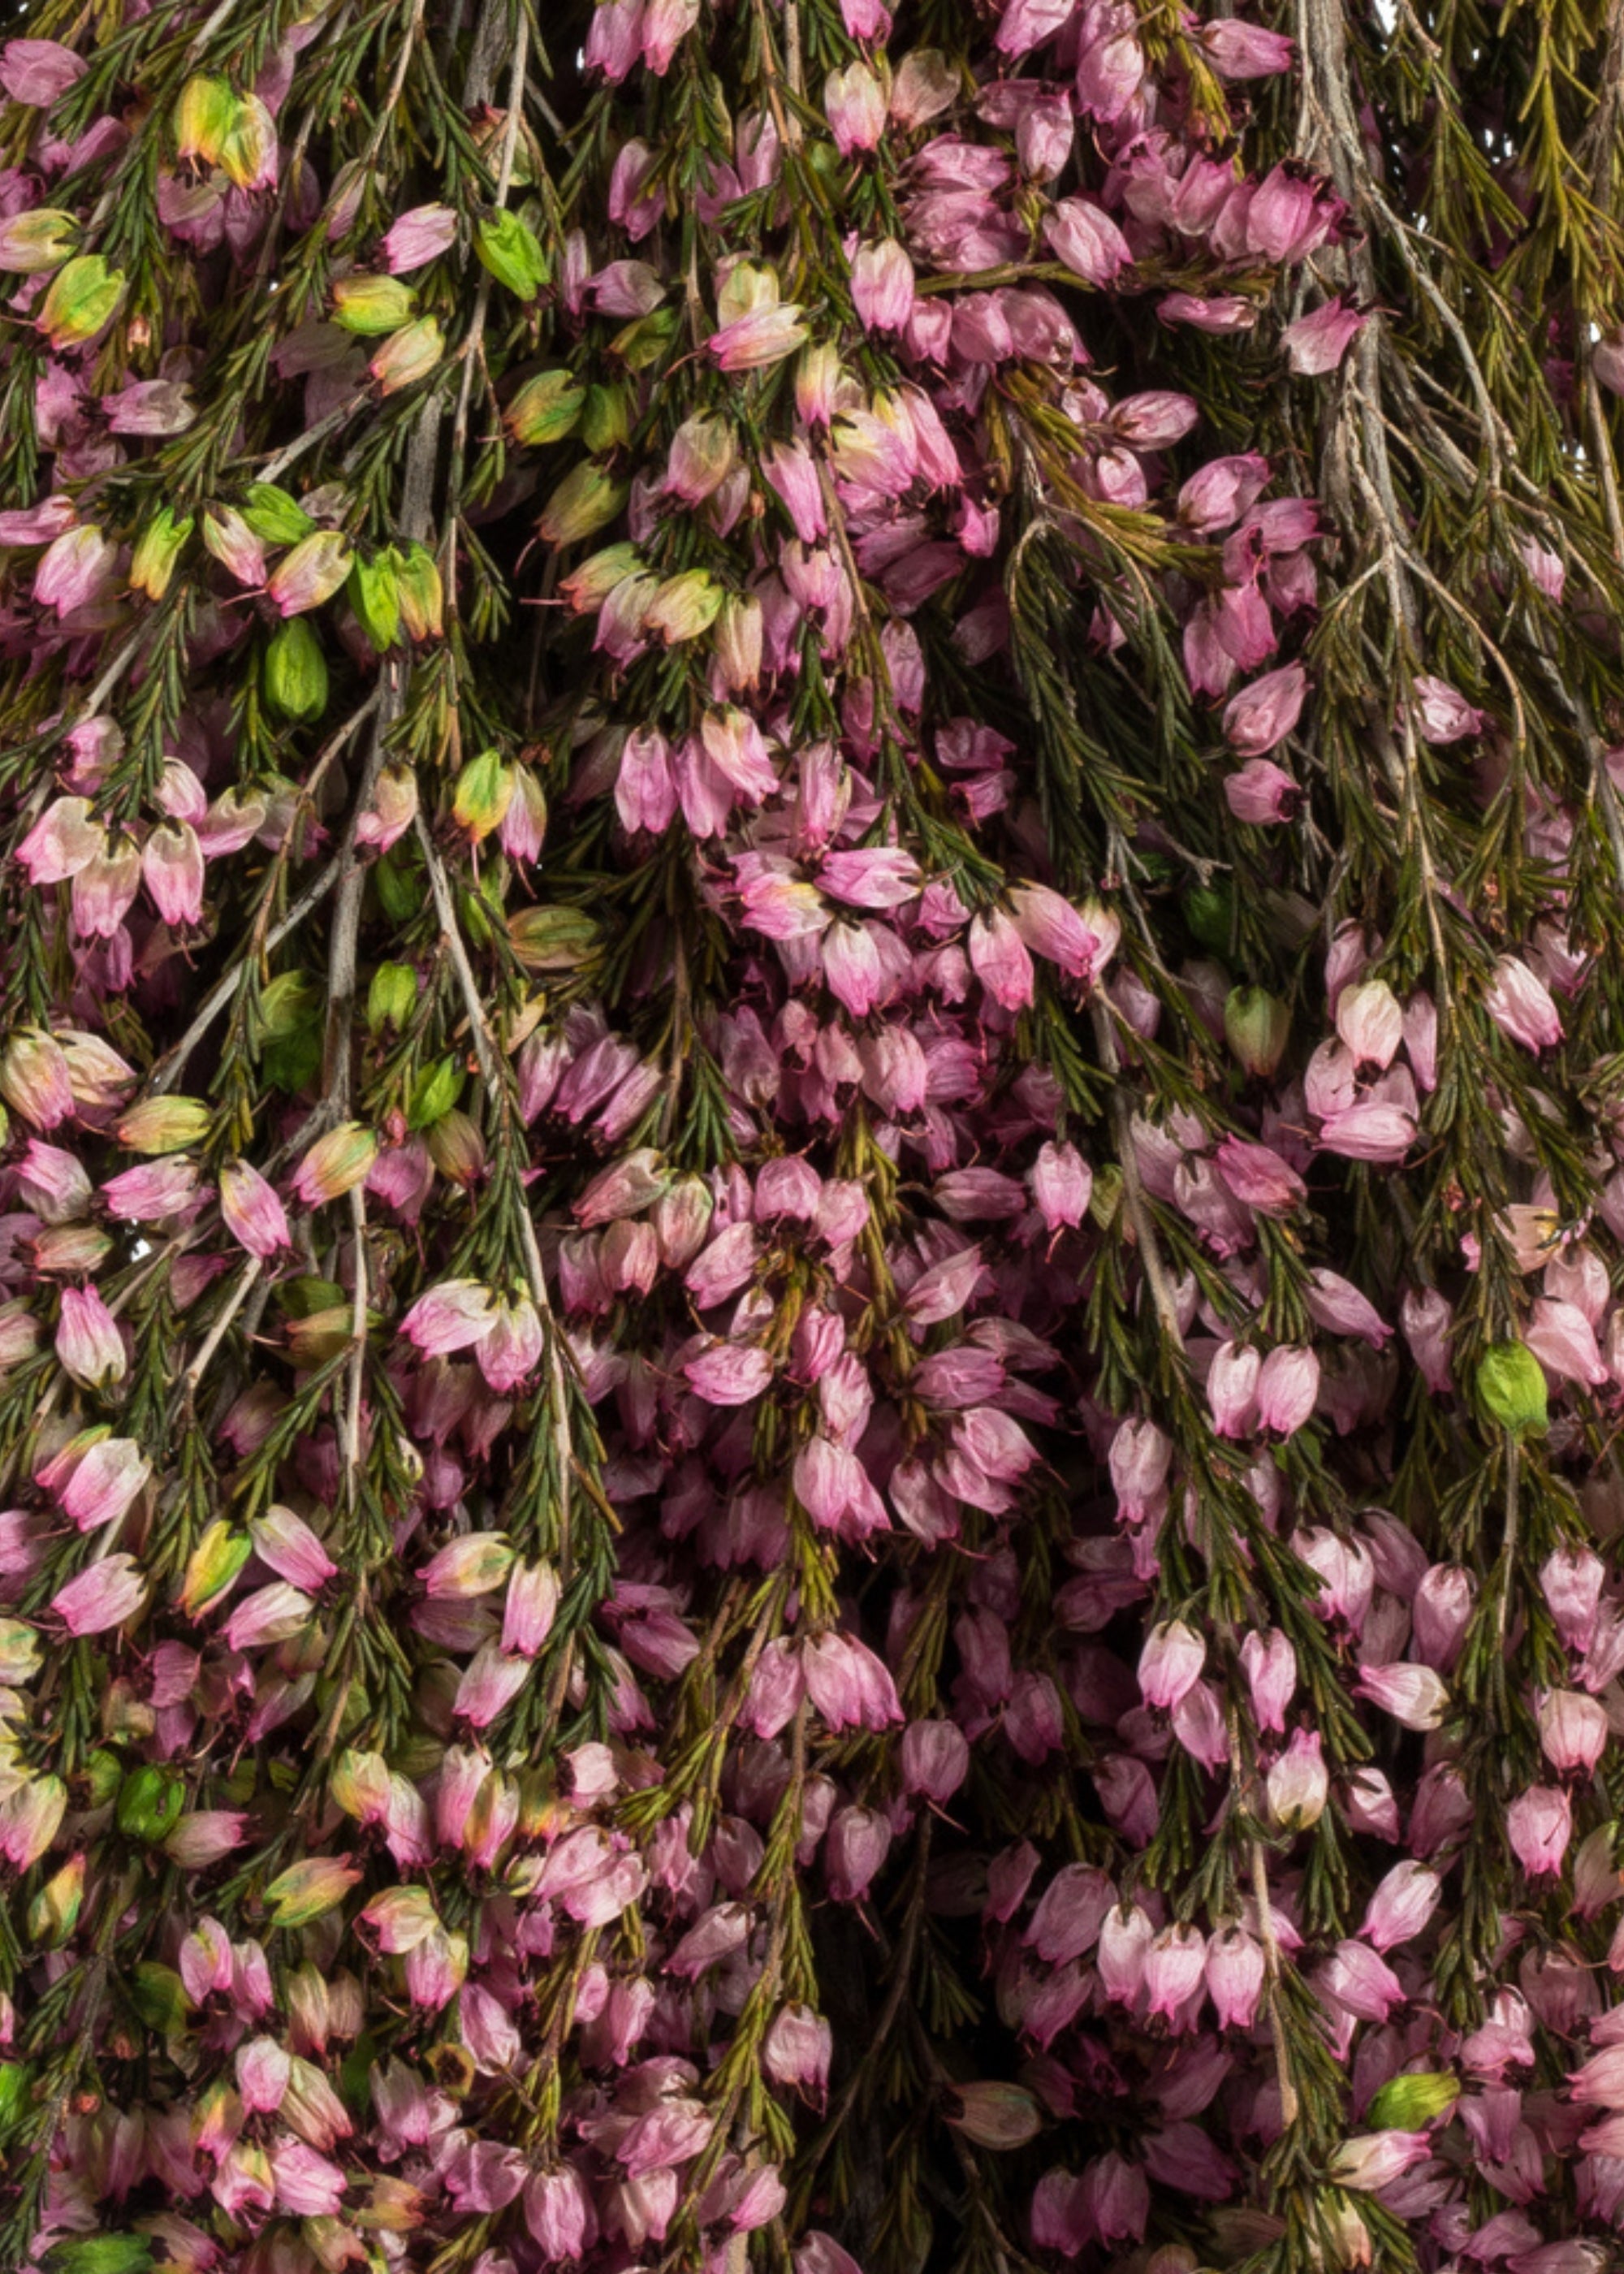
(450, 1317)
(1170, 1664)
(855, 105)
(728, 1373)
(1401, 1905)
(1261, 792)
(1522, 1005)
(1317, 343)
(1288, 1384)
(89, 1342)
(1539, 1826)
(419, 237)
(1087, 240)
(1442, 712)
(881, 289)
(1232, 1390)
(1238, 50)
(1265, 713)
(102, 1596)
(39, 71)
(253, 1215)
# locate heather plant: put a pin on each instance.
(812, 1177)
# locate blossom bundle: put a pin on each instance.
(809, 1254)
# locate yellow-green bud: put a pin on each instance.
(157, 549)
(508, 248)
(685, 607)
(83, 299)
(456, 1147)
(1511, 1389)
(311, 572)
(31, 242)
(276, 516)
(434, 1093)
(54, 1913)
(483, 794)
(392, 997)
(373, 306)
(1257, 1026)
(1406, 2104)
(422, 596)
(553, 939)
(546, 408)
(305, 1891)
(212, 1566)
(408, 355)
(205, 115)
(164, 1124)
(585, 501)
(294, 676)
(606, 418)
(149, 1802)
(374, 595)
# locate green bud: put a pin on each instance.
(508, 248)
(164, 1124)
(157, 549)
(1209, 911)
(483, 794)
(305, 1891)
(212, 1567)
(206, 116)
(996, 2116)
(546, 408)
(1511, 1389)
(54, 1913)
(1406, 2103)
(104, 1772)
(286, 1003)
(456, 1147)
(399, 880)
(434, 1093)
(294, 673)
(408, 355)
(16, 2091)
(645, 340)
(158, 1996)
(685, 606)
(392, 997)
(373, 306)
(276, 516)
(374, 595)
(607, 418)
(422, 596)
(84, 298)
(584, 501)
(19, 1650)
(102, 2254)
(1257, 1026)
(149, 1801)
(589, 586)
(31, 242)
(553, 939)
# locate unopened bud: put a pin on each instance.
(83, 299)
(553, 939)
(546, 408)
(157, 549)
(294, 676)
(483, 794)
(584, 501)
(374, 595)
(1511, 1388)
(33, 243)
(1257, 1026)
(373, 306)
(509, 247)
(164, 1124)
(422, 596)
(213, 1566)
(311, 572)
(408, 355)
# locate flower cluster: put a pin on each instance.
(812, 1151)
